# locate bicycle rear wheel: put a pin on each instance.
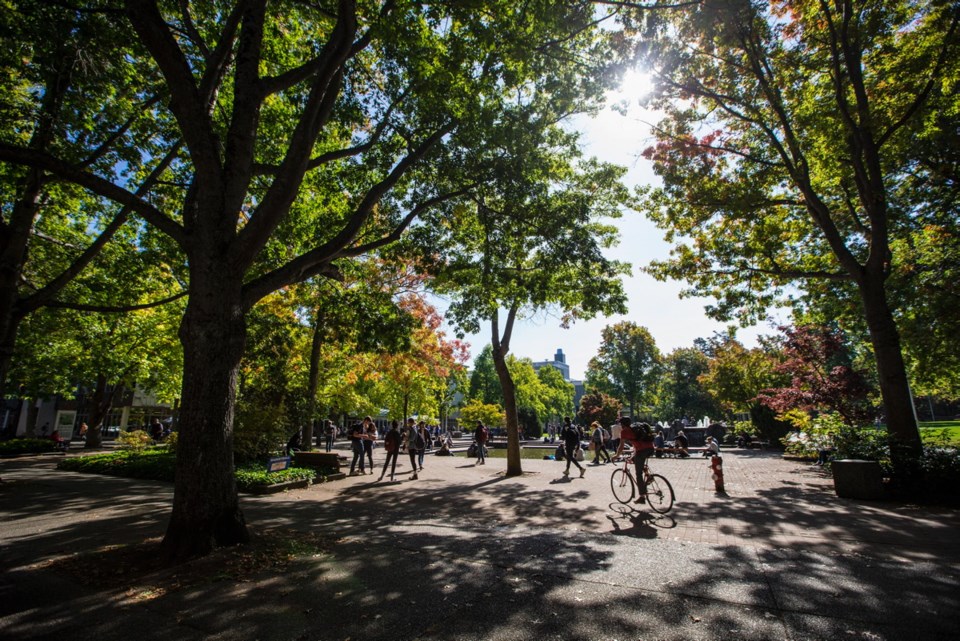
(622, 485)
(659, 494)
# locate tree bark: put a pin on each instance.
(100, 407)
(206, 510)
(905, 444)
(501, 347)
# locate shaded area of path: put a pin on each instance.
(465, 553)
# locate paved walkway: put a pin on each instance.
(465, 553)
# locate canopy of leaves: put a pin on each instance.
(597, 406)
(822, 377)
(627, 365)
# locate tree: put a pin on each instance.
(298, 135)
(61, 349)
(413, 377)
(822, 377)
(58, 80)
(530, 241)
(557, 393)
(683, 393)
(736, 377)
(793, 124)
(484, 384)
(627, 365)
(597, 406)
(475, 410)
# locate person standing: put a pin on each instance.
(356, 444)
(423, 441)
(329, 433)
(481, 435)
(571, 443)
(411, 434)
(391, 444)
(369, 439)
(599, 447)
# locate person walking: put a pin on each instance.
(412, 450)
(481, 435)
(391, 445)
(571, 443)
(599, 447)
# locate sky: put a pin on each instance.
(673, 322)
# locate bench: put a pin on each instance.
(318, 460)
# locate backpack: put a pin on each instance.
(392, 441)
(598, 435)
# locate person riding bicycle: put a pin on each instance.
(640, 436)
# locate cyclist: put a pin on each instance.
(640, 436)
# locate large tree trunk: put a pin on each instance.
(501, 347)
(206, 511)
(100, 407)
(901, 419)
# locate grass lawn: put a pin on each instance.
(933, 431)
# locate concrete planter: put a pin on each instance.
(854, 479)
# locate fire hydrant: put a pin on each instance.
(716, 464)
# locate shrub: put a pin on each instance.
(159, 464)
(248, 477)
(941, 469)
(259, 430)
(170, 443)
(155, 464)
(27, 446)
(813, 434)
(136, 441)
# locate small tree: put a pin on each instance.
(489, 415)
(597, 406)
(822, 377)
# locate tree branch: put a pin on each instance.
(186, 104)
(51, 289)
(94, 183)
(109, 309)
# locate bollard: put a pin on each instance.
(716, 464)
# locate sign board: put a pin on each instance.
(64, 423)
(278, 463)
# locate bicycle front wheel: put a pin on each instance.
(659, 494)
(622, 485)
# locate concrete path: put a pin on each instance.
(465, 553)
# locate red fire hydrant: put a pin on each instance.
(716, 464)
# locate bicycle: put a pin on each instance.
(657, 489)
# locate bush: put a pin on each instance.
(27, 446)
(258, 432)
(249, 477)
(136, 441)
(941, 469)
(159, 464)
(155, 464)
